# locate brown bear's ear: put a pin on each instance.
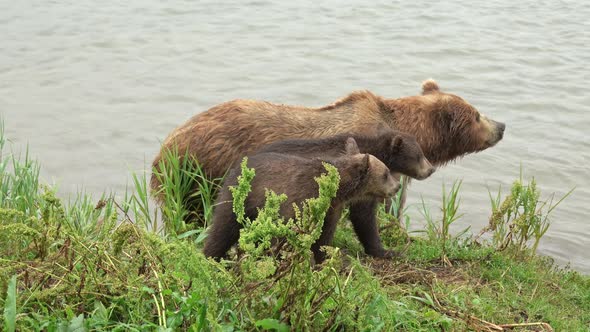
(396, 143)
(351, 146)
(429, 86)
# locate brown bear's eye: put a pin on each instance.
(385, 175)
(477, 117)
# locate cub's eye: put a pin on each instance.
(477, 117)
(385, 175)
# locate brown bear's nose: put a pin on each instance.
(501, 127)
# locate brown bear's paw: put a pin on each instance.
(384, 253)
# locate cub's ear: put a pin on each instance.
(429, 86)
(366, 163)
(396, 143)
(351, 146)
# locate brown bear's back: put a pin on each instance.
(227, 132)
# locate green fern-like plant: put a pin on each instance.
(241, 191)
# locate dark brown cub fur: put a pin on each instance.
(398, 151)
(362, 177)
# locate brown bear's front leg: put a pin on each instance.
(364, 221)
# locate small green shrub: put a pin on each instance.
(277, 253)
(521, 217)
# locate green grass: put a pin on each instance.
(102, 264)
(186, 193)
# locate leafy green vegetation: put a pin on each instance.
(124, 265)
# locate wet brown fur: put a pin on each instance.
(362, 177)
(444, 124)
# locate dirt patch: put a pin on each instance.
(392, 272)
(450, 274)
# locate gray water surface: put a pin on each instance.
(93, 87)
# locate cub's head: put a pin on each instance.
(459, 126)
(402, 153)
(376, 179)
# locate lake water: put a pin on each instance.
(93, 87)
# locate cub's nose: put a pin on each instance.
(394, 190)
(430, 171)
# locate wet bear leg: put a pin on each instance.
(364, 220)
(223, 234)
(330, 222)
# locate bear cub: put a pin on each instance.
(400, 152)
(362, 177)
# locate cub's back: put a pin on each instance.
(330, 147)
(281, 173)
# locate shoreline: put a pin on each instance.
(101, 264)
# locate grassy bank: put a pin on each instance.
(106, 264)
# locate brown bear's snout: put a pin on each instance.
(497, 132)
(501, 127)
(430, 171)
(425, 169)
(394, 189)
(390, 187)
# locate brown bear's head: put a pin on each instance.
(403, 154)
(375, 178)
(447, 126)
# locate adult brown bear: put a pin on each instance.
(445, 125)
